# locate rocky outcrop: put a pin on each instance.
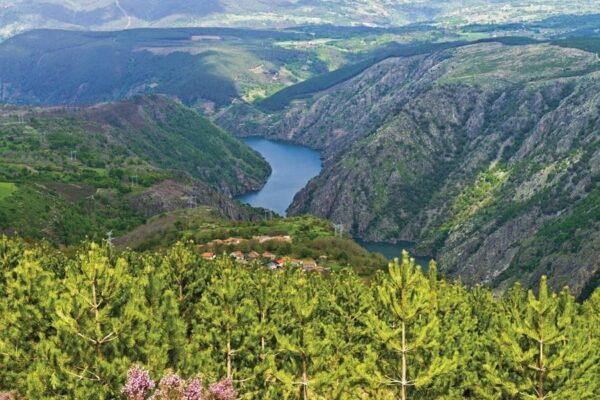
(171, 195)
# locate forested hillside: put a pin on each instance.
(208, 67)
(72, 326)
(70, 172)
(485, 154)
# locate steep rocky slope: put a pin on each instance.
(487, 155)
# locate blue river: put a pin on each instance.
(293, 166)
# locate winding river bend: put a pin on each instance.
(292, 167)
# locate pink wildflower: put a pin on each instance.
(138, 384)
(194, 389)
(222, 390)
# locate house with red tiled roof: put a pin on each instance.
(209, 256)
(281, 261)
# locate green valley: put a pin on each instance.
(216, 200)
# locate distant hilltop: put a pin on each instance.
(20, 15)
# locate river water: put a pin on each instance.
(394, 250)
(293, 166)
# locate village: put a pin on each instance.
(268, 259)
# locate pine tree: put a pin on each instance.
(587, 331)
(97, 318)
(164, 331)
(304, 344)
(265, 291)
(347, 303)
(222, 321)
(179, 267)
(458, 340)
(406, 324)
(26, 305)
(539, 355)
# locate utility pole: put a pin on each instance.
(91, 202)
(109, 238)
(192, 202)
(339, 230)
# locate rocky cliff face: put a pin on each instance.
(487, 155)
(171, 195)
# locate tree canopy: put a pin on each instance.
(73, 325)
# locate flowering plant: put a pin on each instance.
(139, 386)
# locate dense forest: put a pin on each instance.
(214, 65)
(73, 324)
